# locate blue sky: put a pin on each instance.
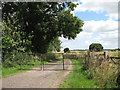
(90, 15)
(100, 24)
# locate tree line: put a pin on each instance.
(36, 26)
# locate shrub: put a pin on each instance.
(95, 47)
(17, 58)
(66, 50)
(49, 56)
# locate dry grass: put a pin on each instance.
(103, 70)
(99, 68)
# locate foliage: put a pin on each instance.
(14, 40)
(43, 21)
(35, 27)
(48, 56)
(13, 59)
(101, 69)
(7, 71)
(55, 45)
(66, 50)
(95, 47)
(18, 62)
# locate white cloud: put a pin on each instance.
(110, 6)
(107, 39)
(73, 13)
(84, 35)
(100, 26)
(104, 32)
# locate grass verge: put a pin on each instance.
(77, 79)
(15, 70)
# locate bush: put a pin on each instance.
(66, 50)
(17, 58)
(96, 47)
(50, 56)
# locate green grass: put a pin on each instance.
(77, 79)
(14, 70)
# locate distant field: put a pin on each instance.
(110, 53)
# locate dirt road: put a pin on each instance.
(51, 77)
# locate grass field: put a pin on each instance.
(77, 79)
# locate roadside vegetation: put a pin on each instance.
(92, 72)
(17, 69)
(77, 79)
(25, 62)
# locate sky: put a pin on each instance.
(100, 24)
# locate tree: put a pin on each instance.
(95, 47)
(66, 50)
(13, 40)
(44, 21)
(55, 45)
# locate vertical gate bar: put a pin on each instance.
(63, 61)
(41, 61)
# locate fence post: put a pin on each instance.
(88, 59)
(105, 54)
(88, 55)
(93, 53)
(85, 59)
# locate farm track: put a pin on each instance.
(51, 77)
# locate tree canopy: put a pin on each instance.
(95, 47)
(66, 50)
(34, 25)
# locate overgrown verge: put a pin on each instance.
(77, 79)
(96, 67)
(103, 70)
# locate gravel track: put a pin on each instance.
(51, 77)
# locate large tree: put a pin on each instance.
(44, 21)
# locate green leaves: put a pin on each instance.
(13, 38)
(95, 47)
(34, 25)
(69, 25)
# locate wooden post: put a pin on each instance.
(63, 61)
(105, 54)
(93, 53)
(85, 59)
(88, 59)
(88, 53)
